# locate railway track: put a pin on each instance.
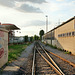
(43, 64)
(66, 66)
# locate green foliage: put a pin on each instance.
(31, 39)
(67, 52)
(15, 51)
(36, 37)
(26, 38)
(41, 33)
(52, 46)
(60, 49)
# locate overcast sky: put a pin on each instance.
(30, 15)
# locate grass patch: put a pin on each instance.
(67, 52)
(51, 46)
(59, 49)
(15, 50)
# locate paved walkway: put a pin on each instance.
(68, 57)
(12, 68)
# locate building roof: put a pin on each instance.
(61, 24)
(10, 26)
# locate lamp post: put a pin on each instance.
(46, 26)
(46, 23)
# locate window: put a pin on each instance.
(69, 33)
(63, 35)
(73, 33)
(59, 35)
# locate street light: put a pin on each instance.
(46, 23)
(46, 26)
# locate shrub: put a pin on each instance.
(67, 52)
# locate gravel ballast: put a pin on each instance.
(62, 54)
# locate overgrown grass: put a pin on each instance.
(15, 50)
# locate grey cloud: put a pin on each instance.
(24, 7)
(8, 3)
(33, 1)
(29, 9)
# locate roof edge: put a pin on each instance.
(61, 24)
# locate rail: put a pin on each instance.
(50, 61)
(33, 66)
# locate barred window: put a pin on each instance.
(58, 35)
(73, 33)
(69, 33)
(63, 35)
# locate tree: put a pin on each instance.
(31, 39)
(36, 37)
(41, 33)
(26, 38)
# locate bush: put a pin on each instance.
(67, 52)
(60, 49)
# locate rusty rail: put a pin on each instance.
(49, 63)
(52, 60)
(71, 63)
(33, 65)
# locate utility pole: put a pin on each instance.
(59, 22)
(74, 22)
(46, 23)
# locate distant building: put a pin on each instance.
(18, 39)
(10, 28)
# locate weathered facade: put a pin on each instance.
(3, 46)
(11, 33)
(64, 36)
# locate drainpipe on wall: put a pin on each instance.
(74, 22)
(51, 38)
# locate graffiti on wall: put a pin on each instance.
(1, 52)
(1, 48)
(1, 34)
